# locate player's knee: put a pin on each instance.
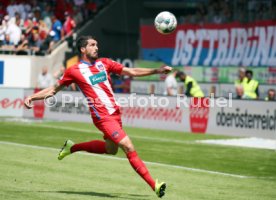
(112, 151)
(128, 147)
(111, 147)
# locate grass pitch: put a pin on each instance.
(30, 169)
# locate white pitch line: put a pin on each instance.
(124, 159)
(100, 133)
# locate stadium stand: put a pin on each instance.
(31, 27)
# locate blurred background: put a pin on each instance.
(225, 48)
(213, 40)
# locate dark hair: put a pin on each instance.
(249, 72)
(180, 73)
(82, 41)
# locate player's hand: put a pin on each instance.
(164, 69)
(28, 103)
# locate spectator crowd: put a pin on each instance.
(223, 11)
(34, 27)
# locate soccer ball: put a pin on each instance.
(165, 22)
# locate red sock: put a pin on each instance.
(140, 168)
(95, 146)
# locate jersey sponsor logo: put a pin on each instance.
(246, 119)
(98, 78)
(199, 114)
(9, 103)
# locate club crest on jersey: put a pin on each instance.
(100, 66)
(115, 135)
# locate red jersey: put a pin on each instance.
(94, 81)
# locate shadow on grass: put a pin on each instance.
(95, 194)
(104, 195)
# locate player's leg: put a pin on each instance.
(94, 146)
(139, 166)
(112, 130)
(135, 161)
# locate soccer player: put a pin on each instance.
(91, 74)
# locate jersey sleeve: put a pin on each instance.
(113, 66)
(66, 79)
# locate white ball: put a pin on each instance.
(165, 22)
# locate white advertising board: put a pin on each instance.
(162, 114)
(244, 118)
(61, 110)
(17, 72)
(11, 102)
(235, 118)
(22, 71)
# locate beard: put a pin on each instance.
(92, 57)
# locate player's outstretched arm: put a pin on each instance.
(145, 71)
(45, 93)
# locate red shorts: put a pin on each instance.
(111, 126)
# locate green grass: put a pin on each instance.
(32, 173)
